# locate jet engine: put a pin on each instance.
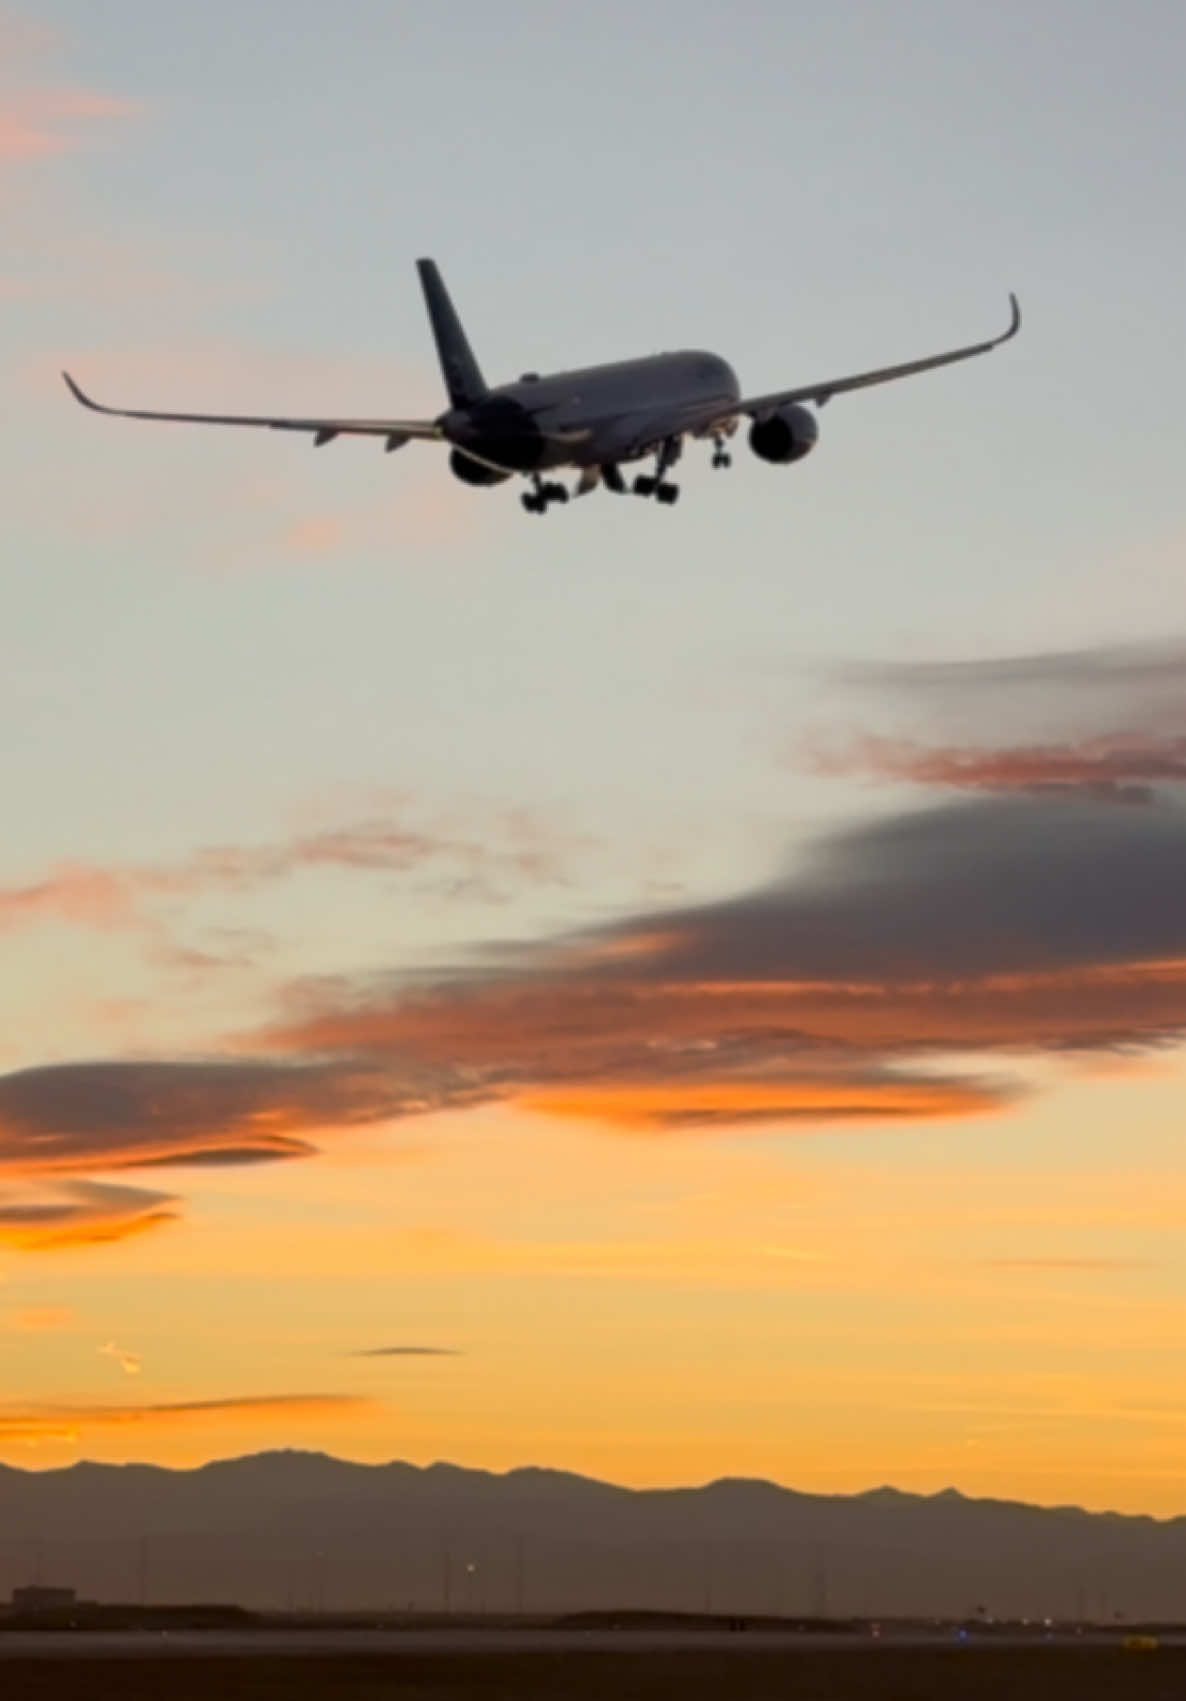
(786, 435)
(474, 472)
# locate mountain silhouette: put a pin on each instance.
(303, 1530)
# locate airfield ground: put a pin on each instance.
(793, 1673)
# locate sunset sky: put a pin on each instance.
(663, 994)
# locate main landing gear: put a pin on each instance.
(543, 493)
(655, 484)
(537, 500)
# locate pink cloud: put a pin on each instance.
(22, 139)
(71, 892)
(54, 121)
(87, 103)
(513, 851)
(1118, 764)
(315, 536)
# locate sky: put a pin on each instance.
(657, 993)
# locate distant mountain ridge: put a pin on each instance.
(299, 1529)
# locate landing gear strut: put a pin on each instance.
(537, 500)
(655, 484)
(720, 455)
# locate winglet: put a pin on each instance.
(80, 396)
(1014, 322)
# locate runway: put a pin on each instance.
(444, 1642)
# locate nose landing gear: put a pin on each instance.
(720, 454)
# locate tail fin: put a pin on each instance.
(462, 374)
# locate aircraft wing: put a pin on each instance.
(397, 432)
(820, 393)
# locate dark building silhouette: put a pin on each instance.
(41, 1597)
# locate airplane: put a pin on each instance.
(592, 420)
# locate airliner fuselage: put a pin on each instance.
(597, 414)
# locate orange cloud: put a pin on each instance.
(64, 1121)
(38, 1423)
(80, 1213)
(521, 1038)
(986, 926)
(72, 892)
(664, 1105)
(75, 1117)
(1122, 765)
(1060, 1265)
(39, 1319)
(994, 925)
(1113, 719)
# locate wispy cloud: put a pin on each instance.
(36, 1423)
(405, 1352)
(669, 1103)
(1109, 721)
(1128, 669)
(1085, 1265)
(41, 115)
(1125, 766)
(79, 1213)
(38, 1319)
(35, 123)
(92, 897)
(129, 1363)
(992, 924)
(85, 1116)
(315, 536)
(61, 1123)
(513, 850)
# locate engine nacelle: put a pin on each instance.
(784, 436)
(474, 472)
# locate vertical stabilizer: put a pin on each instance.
(462, 374)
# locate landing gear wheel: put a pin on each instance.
(555, 493)
(721, 459)
(645, 485)
(534, 504)
(668, 494)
